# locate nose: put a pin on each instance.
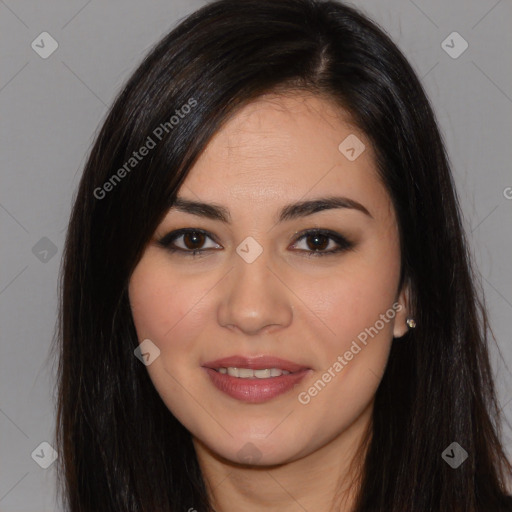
(255, 298)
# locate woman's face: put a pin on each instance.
(267, 295)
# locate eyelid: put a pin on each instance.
(342, 242)
(166, 240)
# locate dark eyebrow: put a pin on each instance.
(289, 212)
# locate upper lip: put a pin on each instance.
(255, 363)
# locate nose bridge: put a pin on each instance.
(253, 297)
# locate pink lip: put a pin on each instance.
(255, 390)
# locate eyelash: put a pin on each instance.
(343, 243)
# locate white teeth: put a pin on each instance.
(247, 373)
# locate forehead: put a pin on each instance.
(282, 148)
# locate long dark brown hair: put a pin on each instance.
(120, 448)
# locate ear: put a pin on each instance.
(402, 311)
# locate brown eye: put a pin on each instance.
(193, 240)
(187, 241)
(322, 242)
(318, 241)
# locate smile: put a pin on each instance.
(248, 373)
(254, 380)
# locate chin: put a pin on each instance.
(244, 450)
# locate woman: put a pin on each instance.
(267, 300)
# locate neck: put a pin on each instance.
(326, 479)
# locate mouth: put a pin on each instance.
(254, 380)
(248, 373)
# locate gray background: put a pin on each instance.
(51, 109)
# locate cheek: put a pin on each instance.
(357, 303)
(168, 311)
(160, 302)
(353, 298)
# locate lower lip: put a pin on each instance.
(255, 390)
